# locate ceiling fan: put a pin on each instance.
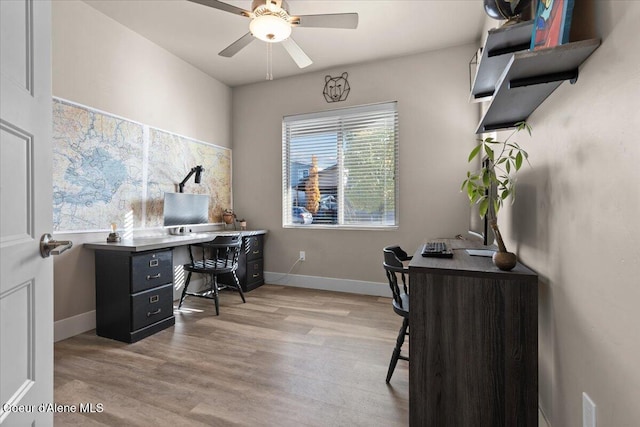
(272, 23)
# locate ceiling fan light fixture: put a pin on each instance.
(270, 28)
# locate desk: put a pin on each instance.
(134, 280)
(473, 342)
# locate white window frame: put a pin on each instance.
(335, 121)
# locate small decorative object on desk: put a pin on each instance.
(113, 236)
(243, 224)
(228, 217)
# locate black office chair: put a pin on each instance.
(219, 256)
(393, 257)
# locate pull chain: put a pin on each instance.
(269, 62)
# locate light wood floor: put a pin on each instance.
(288, 357)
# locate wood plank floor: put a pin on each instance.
(288, 357)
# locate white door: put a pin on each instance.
(26, 279)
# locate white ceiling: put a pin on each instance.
(387, 28)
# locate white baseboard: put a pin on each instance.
(71, 326)
(328, 284)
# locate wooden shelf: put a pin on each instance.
(528, 78)
(496, 53)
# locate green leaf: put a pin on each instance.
(489, 152)
(518, 160)
(497, 204)
(474, 152)
(486, 177)
(484, 207)
(470, 190)
(509, 167)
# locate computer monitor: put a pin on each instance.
(184, 209)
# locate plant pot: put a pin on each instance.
(505, 260)
(502, 259)
(227, 217)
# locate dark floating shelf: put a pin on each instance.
(496, 53)
(528, 78)
(516, 80)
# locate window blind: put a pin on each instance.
(341, 166)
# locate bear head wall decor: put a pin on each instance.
(336, 88)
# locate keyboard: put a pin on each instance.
(436, 250)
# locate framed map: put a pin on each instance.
(171, 157)
(109, 169)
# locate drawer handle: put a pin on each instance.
(153, 263)
(155, 276)
(154, 298)
(256, 252)
(256, 275)
(153, 313)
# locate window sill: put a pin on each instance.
(341, 227)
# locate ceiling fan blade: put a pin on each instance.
(335, 20)
(223, 6)
(296, 53)
(237, 45)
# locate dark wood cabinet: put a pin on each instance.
(134, 280)
(134, 293)
(473, 342)
(250, 263)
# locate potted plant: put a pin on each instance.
(228, 216)
(243, 223)
(499, 172)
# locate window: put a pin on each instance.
(350, 157)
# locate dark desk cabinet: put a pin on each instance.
(250, 263)
(473, 342)
(134, 293)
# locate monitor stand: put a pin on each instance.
(179, 231)
(481, 252)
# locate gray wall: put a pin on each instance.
(435, 118)
(576, 223)
(99, 63)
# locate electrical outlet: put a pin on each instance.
(588, 411)
(303, 256)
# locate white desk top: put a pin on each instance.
(140, 244)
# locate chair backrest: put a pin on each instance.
(221, 253)
(393, 267)
(400, 254)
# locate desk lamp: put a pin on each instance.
(198, 171)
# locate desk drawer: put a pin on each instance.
(151, 269)
(253, 246)
(254, 272)
(151, 306)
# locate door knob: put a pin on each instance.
(49, 246)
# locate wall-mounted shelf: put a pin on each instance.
(496, 53)
(529, 78)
